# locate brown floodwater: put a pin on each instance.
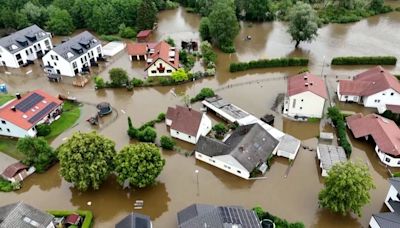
(292, 195)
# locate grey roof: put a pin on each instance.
(23, 38)
(77, 45)
(331, 155)
(289, 144)
(395, 205)
(387, 220)
(227, 107)
(250, 145)
(395, 182)
(208, 216)
(22, 215)
(135, 220)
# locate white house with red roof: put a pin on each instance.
(375, 88)
(19, 117)
(384, 132)
(187, 124)
(306, 96)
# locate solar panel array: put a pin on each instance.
(232, 215)
(42, 112)
(29, 102)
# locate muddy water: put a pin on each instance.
(293, 197)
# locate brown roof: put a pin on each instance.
(185, 120)
(13, 169)
(370, 82)
(143, 34)
(307, 82)
(393, 108)
(385, 132)
(136, 48)
(161, 51)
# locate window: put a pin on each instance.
(177, 133)
(26, 51)
(294, 103)
(387, 159)
(74, 65)
(52, 57)
(99, 50)
(55, 64)
(302, 100)
(397, 162)
(153, 71)
(346, 96)
(391, 94)
(383, 94)
(169, 71)
(48, 63)
(190, 137)
(56, 57)
(238, 171)
(1, 129)
(3, 122)
(199, 155)
(8, 130)
(301, 108)
(226, 166)
(18, 56)
(81, 60)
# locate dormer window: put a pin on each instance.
(70, 55)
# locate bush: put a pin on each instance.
(118, 77)
(99, 82)
(110, 38)
(160, 117)
(7, 186)
(167, 142)
(338, 120)
(209, 56)
(166, 81)
(136, 82)
(228, 49)
(43, 129)
(220, 130)
(148, 134)
(365, 60)
(279, 223)
(87, 216)
(179, 76)
(170, 41)
(126, 32)
(266, 63)
(171, 5)
(204, 93)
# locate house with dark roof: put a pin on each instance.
(22, 215)
(306, 96)
(187, 124)
(19, 117)
(135, 220)
(375, 88)
(73, 56)
(392, 201)
(383, 131)
(24, 45)
(246, 149)
(203, 215)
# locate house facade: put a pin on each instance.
(306, 96)
(187, 124)
(19, 117)
(74, 56)
(25, 45)
(384, 132)
(374, 88)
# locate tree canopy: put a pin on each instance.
(139, 164)
(347, 188)
(303, 23)
(146, 15)
(118, 76)
(37, 152)
(60, 22)
(180, 75)
(86, 159)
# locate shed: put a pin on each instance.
(17, 172)
(113, 48)
(143, 35)
(73, 219)
(330, 155)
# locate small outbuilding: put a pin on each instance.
(143, 36)
(330, 155)
(113, 48)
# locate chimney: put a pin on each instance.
(18, 95)
(13, 108)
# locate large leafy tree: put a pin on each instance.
(86, 159)
(139, 164)
(104, 19)
(146, 15)
(35, 14)
(303, 23)
(118, 76)
(204, 29)
(60, 21)
(255, 10)
(37, 152)
(346, 188)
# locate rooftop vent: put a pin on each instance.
(18, 95)
(306, 84)
(24, 116)
(13, 108)
(305, 77)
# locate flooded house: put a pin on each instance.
(23, 215)
(246, 149)
(203, 215)
(329, 155)
(20, 116)
(383, 131)
(24, 46)
(306, 96)
(392, 201)
(187, 124)
(375, 88)
(73, 56)
(135, 220)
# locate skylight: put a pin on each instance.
(70, 55)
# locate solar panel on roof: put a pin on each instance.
(42, 113)
(29, 102)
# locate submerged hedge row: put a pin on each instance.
(266, 63)
(365, 60)
(340, 124)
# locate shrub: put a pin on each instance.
(87, 216)
(118, 77)
(43, 129)
(166, 81)
(110, 38)
(220, 130)
(7, 186)
(279, 222)
(136, 82)
(228, 49)
(99, 82)
(209, 56)
(365, 60)
(170, 41)
(167, 142)
(266, 63)
(171, 5)
(179, 76)
(126, 32)
(338, 120)
(160, 117)
(204, 93)
(148, 134)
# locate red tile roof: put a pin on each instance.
(13, 169)
(161, 51)
(143, 34)
(385, 132)
(136, 48)
(307, 82)
(72, 219)
(184, 120)
(21, 118)
(370, 82)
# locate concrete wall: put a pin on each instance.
(392, 194)
(373, 223)
(306, 104)
(153, 72)
(205, 127)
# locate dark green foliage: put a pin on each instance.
(255, 10)
(204, 29)
(187, 59)
(99, 82)
(60, 22)
(118, 77)
(136, 82)
(220, 130)
(37, 151)
(167, 142)
(339, 122)
(279, 223)
(145, 133)
(204, 93)
(266, 63)
(170, 41)
(126, 32)
(7, 186)
(87, 216)
(160, 117)
(392, 116)
(104, 19)
(208, 54)
(365, 60)
(148, 134)
(43, 129)
(335, 14)
(146, 15)
(110, 38)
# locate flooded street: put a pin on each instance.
(294, 198)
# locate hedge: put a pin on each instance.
(279, 222)
(266, 63)
(365, 60)
(339, 122)
(88, 216)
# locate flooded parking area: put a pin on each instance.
(289, 194)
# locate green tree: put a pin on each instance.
(139, 164)
(35, 14)
(204, 93)
(209, 56)
(347, 188)
(126, 32)
(377, 5)
(146, 15)
(167, 142)
(60, 22)
(43, 129)
(86, 159)
(303, 23)
(104, 19)
(204, 29)
(148, 134)
(179, 76)
(220, 130)
(224, 26)
(256, 10)
(170, 41)
(37, 152)
(118, 76)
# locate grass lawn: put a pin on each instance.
(9, 147)
(69, 116)
(4, 98)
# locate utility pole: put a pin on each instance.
(197, 181)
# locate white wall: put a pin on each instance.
(387, 159)
(382, 99)
(373, 223)
(392, 194)
(183, 136)
(8, 59)
(205, 126)
(14, 130)
(306, 104)
(152, 70)
(344, 98)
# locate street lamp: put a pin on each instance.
(197, 181)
